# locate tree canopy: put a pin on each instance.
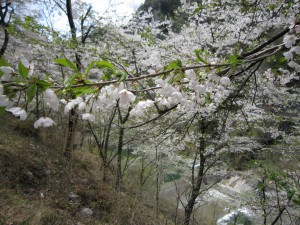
(228, 78)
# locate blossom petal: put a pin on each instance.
(225, 81)
(126, 97)
(18, 112)
(88, 116)
(44, 122)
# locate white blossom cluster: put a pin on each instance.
(290, 41)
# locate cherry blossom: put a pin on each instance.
(44, 122)
(51, 99)
(126, 97)
(88, 116)
(139, 109)
(72, 103)
(18, 112)
(81, 106)
(289, 40)
(225, 81)
(8, 71)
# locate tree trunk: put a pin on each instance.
(5, 42)
(157, 182)
(196, 181)
(119, 159)
(195, 193)
(4, 11)
(69, 147)
(120, 146)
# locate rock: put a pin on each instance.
(87, 212)
(240, 216)
(73, 196)
(29, 175)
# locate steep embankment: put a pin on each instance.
(38, 186)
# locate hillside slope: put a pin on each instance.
(39, 187)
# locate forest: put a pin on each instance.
(185, 112)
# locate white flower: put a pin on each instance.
(190, 74)
(18, 112)
(167, 90)
(160, 83)
(88, 116)
(154, 60)
(126, 97)
(175, 98)
(72, 104)
(225, 81)
(289, 40)
(296, 49)
(44, 122)
(8, 71)
(63, 101)
(51, 99)
(1, 89)
(69, 106)
(288, 55)
(77, 100)
(201, 89)
(139, 109)
(151, 71)
(81, 106)
(4, 101)
(121, 86)
(294, 65)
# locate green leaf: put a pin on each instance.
(174, 65)
(43, 85)
(107, 74)
(2, 110)
(290, 194)
(23, 70)
(31, 91)
(208, 98)
(199, 58)
(84, 90)
(297, 200)
(234, 61)
(122, 76)
(261, 186)
(66, 62)
(99, 65)
(71, 80)
(3, 61)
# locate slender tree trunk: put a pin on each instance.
(119, 159)
(4, 12)
(120, 146)
(157, 182)
(105, 167)
(69, 147)
(196, 181)
(5, 42)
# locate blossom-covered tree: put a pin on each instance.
(233, 66)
